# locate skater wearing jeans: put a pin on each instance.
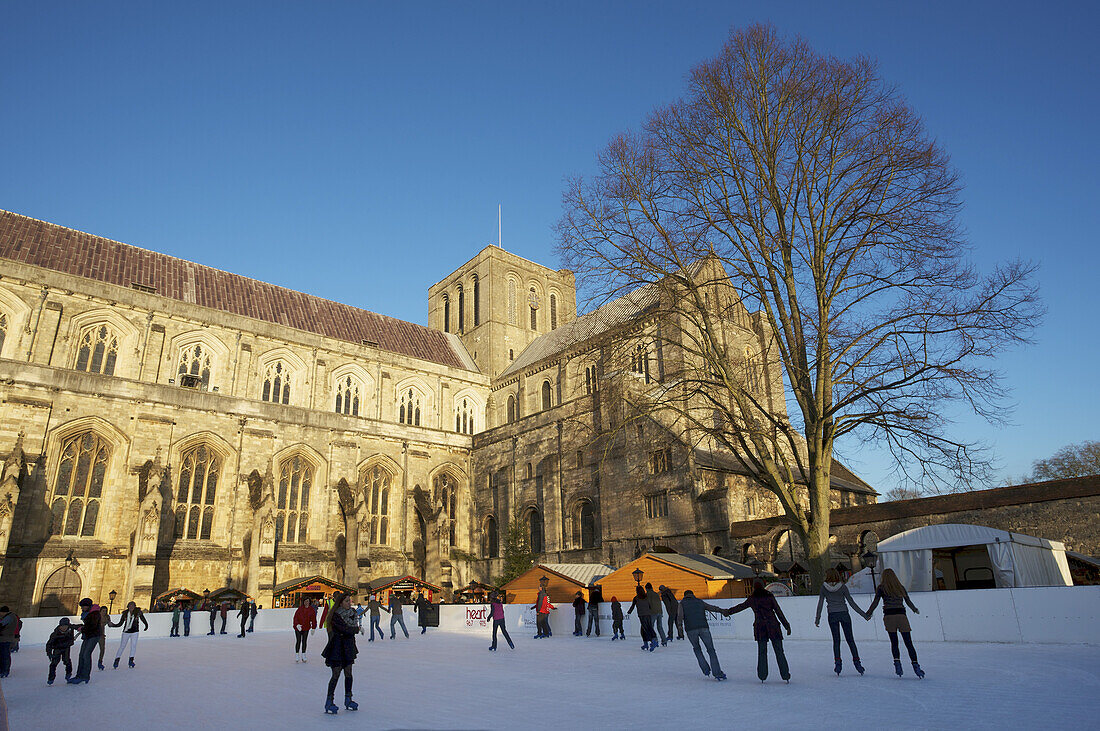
(187, 619)
(496, 613)
(104, 623)
(305, 620)
(578, 611)
(894, 598)
(375, 608)
(617, 620)
(129, 624)
(645, 619)
(691, 615)
(656, 612)
(213, 616)
(7, 639)
(397, 616)
(57, 649)
(175, 632)
(835, 592)
(668, 596)
(595, 598)
(89, 639)
(243, 614)
(767, 617)
(340, 652)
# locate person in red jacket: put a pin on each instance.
(305, 620)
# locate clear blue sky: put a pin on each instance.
(358, 152)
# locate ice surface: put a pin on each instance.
(450, 680)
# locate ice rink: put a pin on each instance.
(450, 680)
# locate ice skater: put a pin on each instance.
(668, 596)
(187, 619)
(894, 598)
(213, 616)
(253, 610)
(595, 599)
(175, 631)
(645, 618)
(767, 617)
(340, 651)
(243, 614)
(496, 613)
(656, 612)
(375, 608)
(7, 639)
(542, 607)
(129, 624)
(224, 612)
(691, 614)
(578, 614)
(834, 593)
(90, 634)
(421, 608)
(58, 649)
(104, 623)
(397, 616)
(617, 620)
(305, 621)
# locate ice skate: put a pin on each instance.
(719, 676)
(100, 663)
(838, 666)
(350, 704)
(858, 665)
(330, 707)
(132, 662)
(917, 671)
(116, 664)
(897, 667)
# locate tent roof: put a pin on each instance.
(584, 574)
(952, 535)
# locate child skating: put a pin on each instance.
(58, 649)
(617, 620)
(894, 598)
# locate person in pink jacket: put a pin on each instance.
(496, 613)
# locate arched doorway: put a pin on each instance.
(60, 594)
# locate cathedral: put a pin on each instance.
(165, 425)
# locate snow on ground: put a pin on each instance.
(445, 680)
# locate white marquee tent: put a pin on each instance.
(1016, 559)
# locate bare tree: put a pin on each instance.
(809, 183)
(1075, 460)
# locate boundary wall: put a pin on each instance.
(1067, 615)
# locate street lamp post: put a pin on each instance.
(111, 604)
(869, 560)
(637, 574)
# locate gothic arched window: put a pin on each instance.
(511, 408)
(196, 363)
(277, 379)
(533, 302)
(534, 530)
(3, 330)
(98, 351)
(461, 310)
(347, 396)
(295, 480)
(79, 485)
(591, 385)
(377, 496)
(446, 314)
(464, 417)
(639, 361)
(584, 525)
(198, 484)
(547, 399)
(490, 548)
(408, 411)
(553, 311)
(447, 489)
(511, 302)
(477, 301)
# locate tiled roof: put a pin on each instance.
(582, 573)
(62, 249)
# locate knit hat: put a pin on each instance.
(64, 620)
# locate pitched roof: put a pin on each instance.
(584, 574)
(61, 249)
(714, 567)
(611, 315)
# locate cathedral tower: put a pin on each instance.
(497, 303)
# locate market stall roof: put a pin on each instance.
(476, 587)
(407, 581)
(584, 574)
(177, 594)
(227, 592)
(713, 567)
(295, 584)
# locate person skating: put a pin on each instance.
(58, 649)
(7, 639)
(420, 607)
(253, 610)
(397, 615)
(104, 623)
(496, 613)
(672, 608)
(360, 610)
(129, 624)
(340, 652)
(578, 611)
(767, 616)
(894, 597)
(645, 618)
(223, 610)
(834, 593)
(243, 614)
(326, 614)
(375, 608)
(213, 609)
(90, 633)
(175, 631)
(305, 620)
(691, 615)
(187, 619)
(617, 620)
(656, 612)
(595, 598)
(542, 607)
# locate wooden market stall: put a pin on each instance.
(408, 586)
(318, 588)
(564, 581)
(173, 596)
(475, 592)
(710, 577)
(227, 594)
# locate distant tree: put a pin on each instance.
(903, 493)
(810, 181)
(1075, 460)
(517, 553)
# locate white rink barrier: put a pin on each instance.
(1068, 615)
(1044, 614)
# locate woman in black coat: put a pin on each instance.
(340, 652)
(420, 607)
(767, 617)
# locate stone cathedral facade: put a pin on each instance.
(167, 425)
